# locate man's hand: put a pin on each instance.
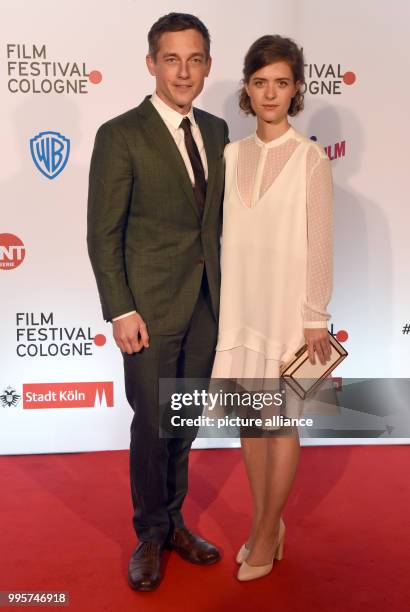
(318, 342)
(130, 333)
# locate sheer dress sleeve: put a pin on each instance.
(319, 204)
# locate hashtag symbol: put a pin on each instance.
(406, 328)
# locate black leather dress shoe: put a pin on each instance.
(144, 568)
(192, 548)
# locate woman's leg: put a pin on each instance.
(255, 454)
(280, 469)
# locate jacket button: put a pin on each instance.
(201, 260)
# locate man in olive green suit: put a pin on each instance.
(154, 220)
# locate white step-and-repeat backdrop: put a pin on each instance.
(66, 68)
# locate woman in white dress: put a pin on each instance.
(276, 262)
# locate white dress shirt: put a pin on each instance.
(172, 120)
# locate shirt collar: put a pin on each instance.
(169, 114)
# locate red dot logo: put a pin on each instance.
(342, 335)
(349, 78)
(12, 251)
(95, 77)
(100, 340)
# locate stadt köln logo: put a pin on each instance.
(9, 398)
(50, 152)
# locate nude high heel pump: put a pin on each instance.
(242, 554)
(250, 572)
(244, 550)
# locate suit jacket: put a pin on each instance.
(146, 240)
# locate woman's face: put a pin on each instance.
(271, 90)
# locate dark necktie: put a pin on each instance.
(196, 163)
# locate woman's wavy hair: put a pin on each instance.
(268, 50)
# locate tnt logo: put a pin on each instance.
(50, 152)
(12, 251)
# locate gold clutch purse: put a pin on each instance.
(304, 377)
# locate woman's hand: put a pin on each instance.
(317, 340)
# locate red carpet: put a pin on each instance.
(65, 525)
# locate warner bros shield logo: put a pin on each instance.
(50, 152)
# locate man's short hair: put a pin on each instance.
(176, 22)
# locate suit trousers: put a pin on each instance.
(159, 466)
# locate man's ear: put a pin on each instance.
(151, 65)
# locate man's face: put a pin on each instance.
(180, 68)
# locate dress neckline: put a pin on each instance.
(290, 132)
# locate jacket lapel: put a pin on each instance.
(158, 132)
